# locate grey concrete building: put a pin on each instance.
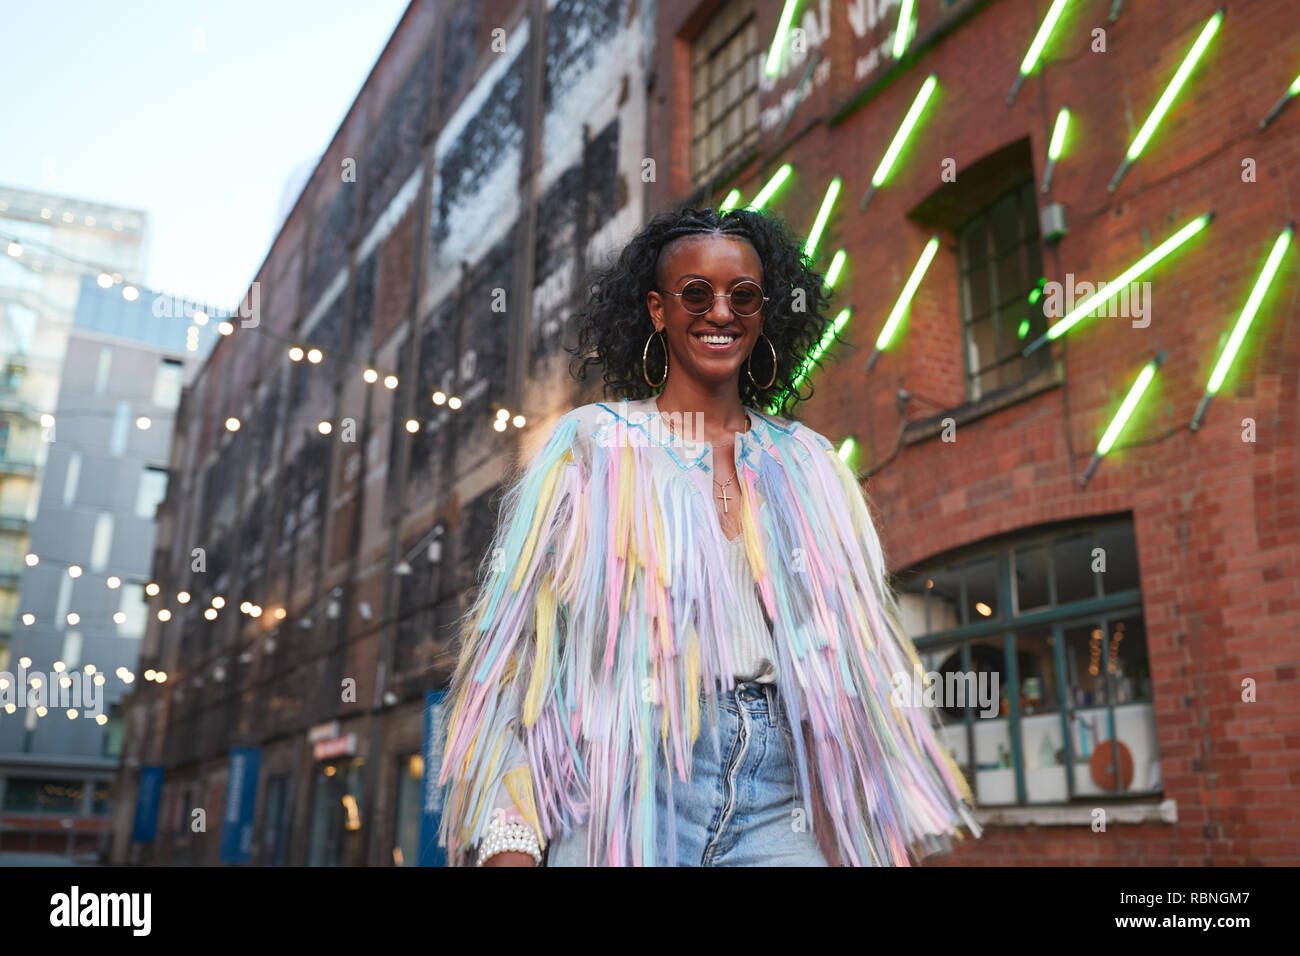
(81, 605)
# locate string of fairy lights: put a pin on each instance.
(1106, 294)
(297, 350)
(34, 255)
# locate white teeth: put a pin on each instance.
(717, 339)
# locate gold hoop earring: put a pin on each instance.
(750, 365)
(645, 352)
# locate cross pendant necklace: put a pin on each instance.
(723, 496)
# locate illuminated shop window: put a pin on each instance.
(1043, 633)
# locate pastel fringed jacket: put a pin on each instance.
(597, 642)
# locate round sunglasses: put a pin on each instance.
(697, 297)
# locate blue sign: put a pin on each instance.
(146, 806)
(431, 854)
(241, 800)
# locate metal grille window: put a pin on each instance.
(1034, 652)
(1000, 262)
(725, 61)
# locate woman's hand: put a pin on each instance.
(510, 858)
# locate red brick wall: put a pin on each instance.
(1216, 519)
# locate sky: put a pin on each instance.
(199, 113)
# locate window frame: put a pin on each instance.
(1011, 625)
(148, 472)
(1023, 191)
(704, 171)
(169, 378)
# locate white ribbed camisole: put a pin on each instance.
(752, 649)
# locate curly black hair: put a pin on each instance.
(614, 322)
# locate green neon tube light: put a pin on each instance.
(1122, 416)
(1040, 38)
(778, 41)
(1126, 410)
(1292, 90)
(905, 130)
(773, 184)
(1242, 326)
(1036, 47)
(847, 448)
(1113, 288)
(1056, 145)
(823, 214)
(904, 300)
(1167, 97)
(730, 201)
(806, 366)
(903, 30)
(1252, 307)
(900, 138)
(836, 267)
(1058, 134)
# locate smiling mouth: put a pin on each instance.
(716, 341)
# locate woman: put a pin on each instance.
(683, 643)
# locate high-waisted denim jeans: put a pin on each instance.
(741, 807)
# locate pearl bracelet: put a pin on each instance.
(503, 837)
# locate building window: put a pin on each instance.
(990, 212)
(410, 789)
(71, 477)
(335, 812)
(725, 60)
(167, 383)
(112, 741)
(1044, 636)
(64, 598)
(102, 368)
(121, 429)
(275, 822)
(135, 611)
(1000, 262)
(71, 655)
(30, 795)
(8, 608)
(151, 491)
(102, 793)
(101, 544)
